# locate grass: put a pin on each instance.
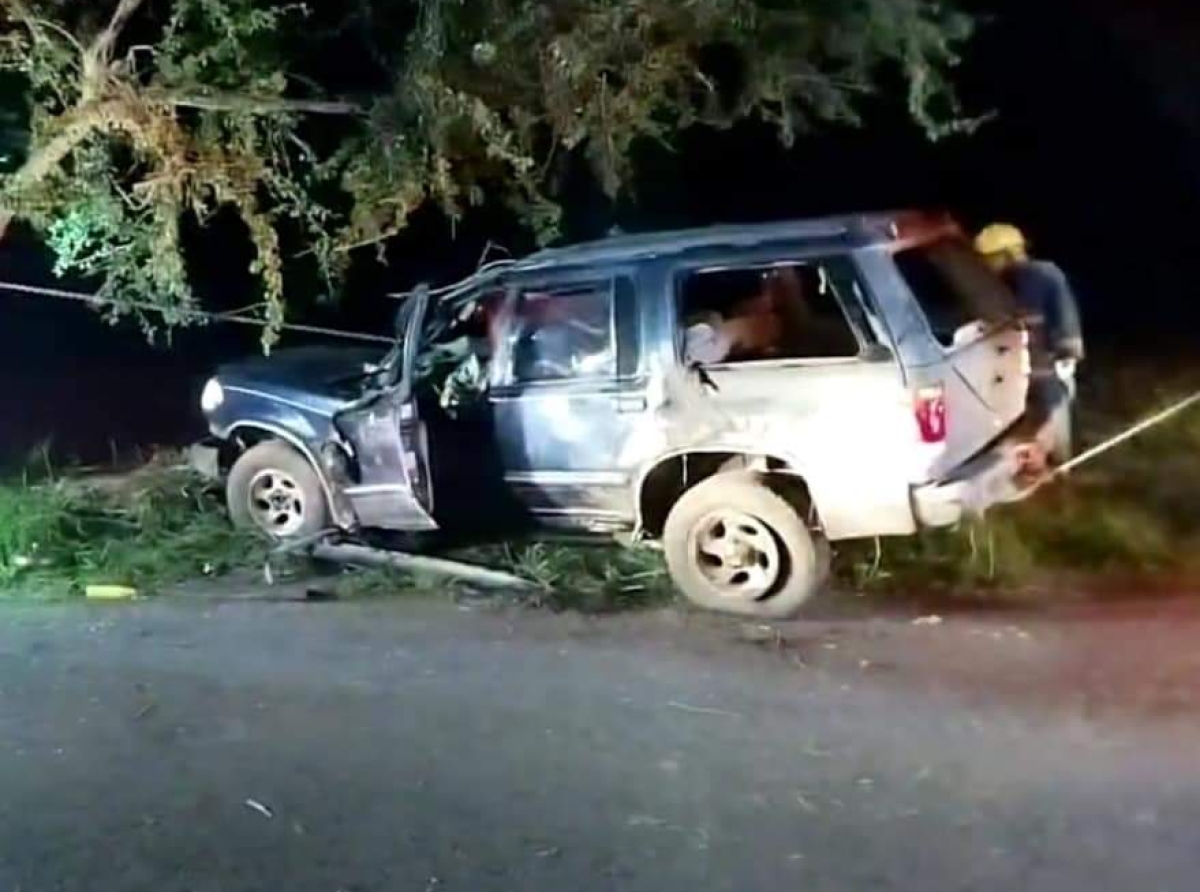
(583, 578)
(591, 579)
(62, 532)
(59, 535)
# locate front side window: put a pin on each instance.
(564, 333)
(954, 288)
(755, 314)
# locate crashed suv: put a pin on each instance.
(743, 396)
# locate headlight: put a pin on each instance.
(213, 396)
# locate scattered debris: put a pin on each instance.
(703, 710)
(645, 821)
(260, 808)
(928, 621)
(805, 803)
(110, 593)
(755, 633)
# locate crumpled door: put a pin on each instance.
(391, 443)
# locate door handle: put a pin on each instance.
(630, 405)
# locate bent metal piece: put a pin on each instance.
(365, 556)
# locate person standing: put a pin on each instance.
(1045, 297)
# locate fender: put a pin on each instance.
(787, 466)
(843, 513)
(339, 514)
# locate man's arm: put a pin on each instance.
(1065, 324)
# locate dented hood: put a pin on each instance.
(323, 372)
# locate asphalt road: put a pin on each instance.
(193, 745)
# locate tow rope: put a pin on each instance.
(1113, 442)
(234, 318)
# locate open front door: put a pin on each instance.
(391, 443)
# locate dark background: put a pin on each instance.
(1095, 151)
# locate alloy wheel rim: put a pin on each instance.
(738, 554)
(276, 503)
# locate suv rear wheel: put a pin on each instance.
(734, 545)
(272, 488)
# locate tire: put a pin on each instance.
(734, 545)
(274, 490)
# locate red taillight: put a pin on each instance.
(930, 409)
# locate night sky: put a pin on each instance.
(1095, 151)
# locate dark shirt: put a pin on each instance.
(1043, 292)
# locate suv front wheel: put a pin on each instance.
(734, 545)
(273, 489)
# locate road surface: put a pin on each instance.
(219, 746)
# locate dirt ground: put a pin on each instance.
(231, 742)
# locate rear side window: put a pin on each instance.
(759, 313)
(954, 287)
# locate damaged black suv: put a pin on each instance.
(741, 395)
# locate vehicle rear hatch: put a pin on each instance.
(971, 387)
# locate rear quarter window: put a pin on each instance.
(954, 287)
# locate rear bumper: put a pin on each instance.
(936, 506)
(996, 478)
(1003, 475)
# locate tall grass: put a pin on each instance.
(58, 536)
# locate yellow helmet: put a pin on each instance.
(1001, 238)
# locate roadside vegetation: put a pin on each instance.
(1130, 518)
(62, 532)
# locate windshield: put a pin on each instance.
(954, 287)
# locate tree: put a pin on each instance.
(148, 116)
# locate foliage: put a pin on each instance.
(148, 115)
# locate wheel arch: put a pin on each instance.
(663, 482)
(263, 431)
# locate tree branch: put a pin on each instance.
(21, 13)
(236, 102)
(101, 49)
(75, 127)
